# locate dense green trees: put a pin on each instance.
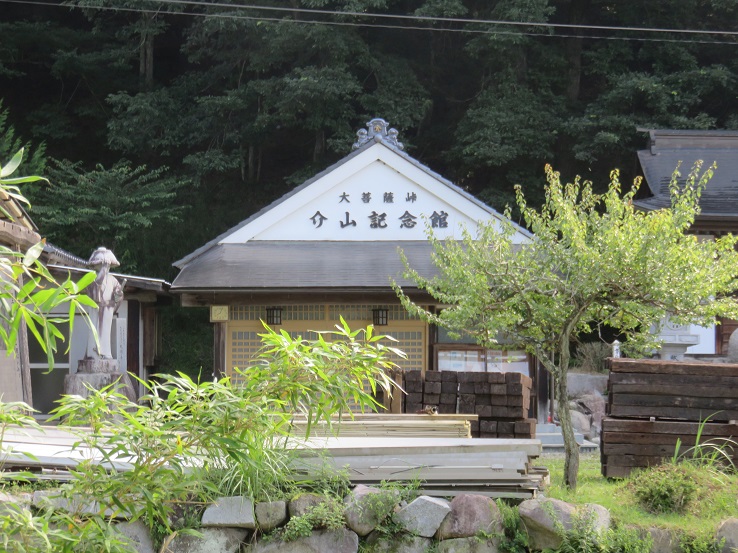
(242, 103)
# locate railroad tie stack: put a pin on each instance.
(501, 400)
(655, 404)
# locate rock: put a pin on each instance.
(230, 512)
(303, 503)
(664, 541)
(367, 507)
(77, 505)
(213, 540)
(15, 503)
(580, 384)
(320, 541)
(138, 535)
(270, 514)
(728, 528)
(404, 543)
(541, 518)
(467, 545)
(424, 515)
(594, 404)
(580, 422)
(469, 515)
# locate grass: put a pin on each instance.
(716, 497)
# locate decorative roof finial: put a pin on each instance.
(378, 131)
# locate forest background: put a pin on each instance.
(162, 123)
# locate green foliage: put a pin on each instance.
(592, 357)
(702, 542)
(113, 206)
(514, 537)
(668, 488)
(328, 514)
(28, 291)
(714, 454)
(594, 259)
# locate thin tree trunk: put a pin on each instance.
(571, 448)
(577, 10)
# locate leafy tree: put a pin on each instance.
(113, 207)
(594, 260)
(28, 291)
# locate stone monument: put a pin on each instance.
(99, 369)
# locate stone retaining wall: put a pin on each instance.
(376, 518)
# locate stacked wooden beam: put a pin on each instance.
(644, 388)
(389, 425)
(653, 404)
(442, 466)
(629, 444)
(501, 400)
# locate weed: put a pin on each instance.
(514, 538)
(664, 489)
(327, 514)
(703, 542)
(715, 454)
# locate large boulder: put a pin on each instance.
(470, 514)
(213, 540)
(270, 514)
(320, 541)
(544, 518)
(138, 535)
(664, 540)
(423, 516)
(728, 530)
(301, 504)
(468, 545)
(403, 543)
(367, 507)
(230, 512)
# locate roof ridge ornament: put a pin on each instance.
(377, 131)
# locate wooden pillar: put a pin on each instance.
(220, 342)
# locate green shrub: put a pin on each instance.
(328, 514)
(664, 489)
(514, 538)
(592, 357)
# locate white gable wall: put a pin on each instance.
(352, 203)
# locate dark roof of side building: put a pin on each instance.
(671, 148)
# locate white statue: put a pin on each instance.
(107, 293)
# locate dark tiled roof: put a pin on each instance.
(670, 148)
(262, 265)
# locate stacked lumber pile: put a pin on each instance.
(390, 425)
(654, 403)
(501, 400)
(442, 466)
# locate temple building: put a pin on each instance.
(330, 249)
(668, 149)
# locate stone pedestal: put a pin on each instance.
(96, 374)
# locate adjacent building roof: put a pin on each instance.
(671, 148)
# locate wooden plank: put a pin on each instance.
(717, 404)
(628, 460)
(669, 380)
(638, 438)
(654, 450)
(674, 390)
(611, 471)
(668, 427)
(677, 413)
(659, 366)
(391, 446)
